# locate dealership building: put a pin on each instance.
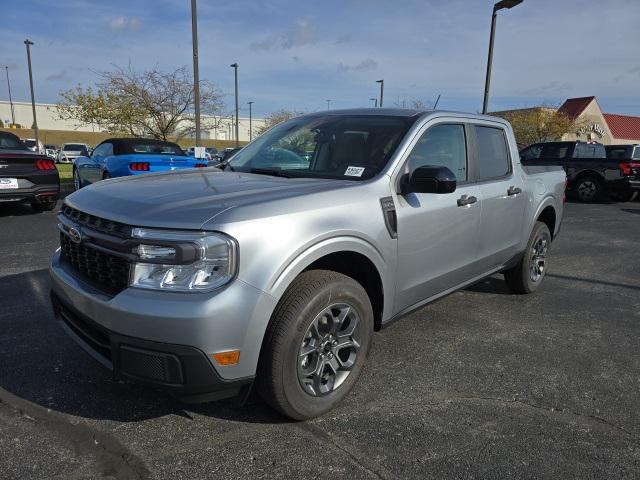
(49, 120)
(597, 126)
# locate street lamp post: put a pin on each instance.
(375, 100)
(235, 73)
(13, 113)
(28, 43)
(487, 83)
(196, 76)
(328, 104)
(250, 122)
(381, 82)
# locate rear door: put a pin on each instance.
(437, 247)
(502, 193)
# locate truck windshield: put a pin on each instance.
(349, 147)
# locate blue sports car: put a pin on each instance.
(119, 157)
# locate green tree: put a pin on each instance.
(539, 124)
(154, 103)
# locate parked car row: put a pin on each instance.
(27, 176)
(593, 170)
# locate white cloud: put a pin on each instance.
(302, 32)
(123, 23)
(366, 64)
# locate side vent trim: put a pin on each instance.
(389, 214)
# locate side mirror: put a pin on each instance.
(431, 179)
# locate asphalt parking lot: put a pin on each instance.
(482, 384)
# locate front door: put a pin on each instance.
(437, 235)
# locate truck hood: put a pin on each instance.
(187, 199)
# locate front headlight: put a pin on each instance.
(182, 261)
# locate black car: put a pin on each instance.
(26, 176)
(591, 171)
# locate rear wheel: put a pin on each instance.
(528, 274)
(588, 188)
(317, 344)
(40, 207)
(623, 196)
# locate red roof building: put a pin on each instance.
(606, 128)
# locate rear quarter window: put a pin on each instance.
(493, 155)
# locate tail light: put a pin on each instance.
(139, 166)
(45, 165)
(625, 168)
(201, 165)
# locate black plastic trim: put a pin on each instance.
(198, 381)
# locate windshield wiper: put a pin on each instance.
(270, 171)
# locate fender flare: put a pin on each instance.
(548, 201)
(345, 243)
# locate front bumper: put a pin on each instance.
(166, 338)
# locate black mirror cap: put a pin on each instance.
(432, 179)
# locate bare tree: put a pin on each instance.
(154, 103)
(274, 118)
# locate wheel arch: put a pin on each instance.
(587, 173)
(350, 256)
(548, 217)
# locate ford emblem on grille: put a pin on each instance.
(74, 234)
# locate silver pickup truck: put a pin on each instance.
(276, 270)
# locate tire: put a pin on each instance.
(77, 183)
(106, 176)
(299, 339)
(39, 207)
(588, 188)
(528, 274)
(623, 196)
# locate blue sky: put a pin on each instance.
(297, 54)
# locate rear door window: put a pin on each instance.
(493, 155)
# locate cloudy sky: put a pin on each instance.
(296, 54)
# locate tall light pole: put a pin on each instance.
(328, 104)
(235, 74)
(487, 83)
(28, 43)
(13, 113)
(250, 122)
(375, 100)
(381, 82)
(196, 76)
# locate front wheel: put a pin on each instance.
(528, 274)
(316, 345)
(77, 185)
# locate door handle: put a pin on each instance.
(514, 191)
(465, 200)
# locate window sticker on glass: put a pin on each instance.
(354, 172)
